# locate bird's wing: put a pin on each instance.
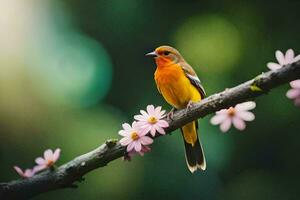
(192, 76)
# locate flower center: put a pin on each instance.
(134, 136)
(152, 120)
(231, 111)
(50, 163)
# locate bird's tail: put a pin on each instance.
(194, 154)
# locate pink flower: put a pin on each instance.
(294, 93)
(282, 59)
(27, 173)
(288, 58)
(234, 115)
(128, 156)
(151, 121)
(133, 137)
(49, 159)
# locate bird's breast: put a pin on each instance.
(175, 87)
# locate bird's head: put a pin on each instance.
(165, 54)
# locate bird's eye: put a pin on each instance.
(166, 53)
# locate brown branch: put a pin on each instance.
(67, 174)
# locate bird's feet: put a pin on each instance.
(189, 106)
(170, 114)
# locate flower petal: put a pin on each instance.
(162, 123)
(150, 110)
(28, 173)
(39, 168)
(293, 93)
(249, 105)
(245, 115)
(123, 133)
(40, 161)
(297, 58)
(130, 146)
(273, 66)
(289, 56)
(135, 126)
(295, 84)
(223, 111)
(160, 130)
(145, 129)
(137, 146)
(141, 123)
(162, 113)
(19, 170)
(157, 110)
(238, 123)
(218, 119)
(48, 154)
(56, 154)
(225, 125)
(280, 57)
(140, 117)
(153, 131)
(125, 141)
(145, 140)
(126, 126)
(144, 113)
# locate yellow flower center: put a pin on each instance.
(231, 111)
(134, 136)
(152, 120)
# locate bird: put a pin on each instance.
(180, 86)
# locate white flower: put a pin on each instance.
(282, 59)
(49, 159)
(151, 121)
(133, 137)
(234, 115)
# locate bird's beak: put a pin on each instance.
(153, 54)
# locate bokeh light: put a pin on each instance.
(210, 42)
(77, 72)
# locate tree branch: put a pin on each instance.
(67, 174)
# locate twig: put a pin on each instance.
(67, 174)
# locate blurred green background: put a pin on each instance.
(73, 71)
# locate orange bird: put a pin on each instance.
(180, 86)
